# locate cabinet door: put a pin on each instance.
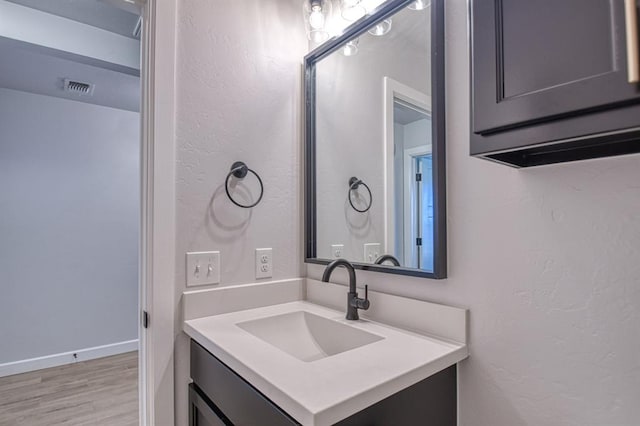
(241, 403)
(202, 412)
(535, 61)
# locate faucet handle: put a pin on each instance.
(363, 303)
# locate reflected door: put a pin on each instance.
(424, 213)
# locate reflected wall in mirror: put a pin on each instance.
(375, 144)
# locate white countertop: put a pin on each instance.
(330, 389)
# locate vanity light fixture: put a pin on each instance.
(351, 48)
(381, 28)
(316, 14)
(352, 10)
(420, 5)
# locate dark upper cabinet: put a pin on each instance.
(550, 81)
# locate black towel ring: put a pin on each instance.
(239, 170)
(354, 183)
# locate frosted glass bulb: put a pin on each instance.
(318, 36)
(316, 18)
(351, 48)
(352, 10)
(420, 5)
(381, 28)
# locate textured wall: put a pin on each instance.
(69, 219)
(547, 260)
(238, 98)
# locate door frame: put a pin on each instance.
(392, 90)
(410, 221)
(157, 216)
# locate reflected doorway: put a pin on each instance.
(413, 181)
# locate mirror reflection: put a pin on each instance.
(373, 130)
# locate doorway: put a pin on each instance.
(70, 153)
(413, 180)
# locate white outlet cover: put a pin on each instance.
(337, 251)
(264, 263)
(203, 268)
(372, 252)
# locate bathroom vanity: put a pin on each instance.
(296, 360)
(219, 396)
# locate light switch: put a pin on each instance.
(264, 263)
(337, 251)
(203, 268)
(371, 252)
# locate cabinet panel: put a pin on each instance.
(432, 401)
(536, 61)
(240, 402)
(202, 412)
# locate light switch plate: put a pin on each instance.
(264, 263)
(203, 268)
(371, 252)
(337, 251)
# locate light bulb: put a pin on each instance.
(316, 18)
(381, 28)
(318, 36)
(353, 13)
(352, 10)
(351, 48)
(420, 5)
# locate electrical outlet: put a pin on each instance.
(203, 268)
(264, 263)
(337, 251)
(371, 252)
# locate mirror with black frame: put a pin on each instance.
(375, 157)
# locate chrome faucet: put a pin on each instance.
(353, 301)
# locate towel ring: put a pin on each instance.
(354, 183)
(239, 170)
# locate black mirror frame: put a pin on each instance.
(384, 11)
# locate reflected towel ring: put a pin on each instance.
(354, 183)
(239, 170)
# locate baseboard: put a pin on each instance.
(55, 360)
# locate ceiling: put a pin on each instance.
(96, 13)
(32, 69)
(403, 114)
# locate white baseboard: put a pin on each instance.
(55, 360)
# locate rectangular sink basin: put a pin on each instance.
(306, 336)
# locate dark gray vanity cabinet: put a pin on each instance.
(218, 396)
(228, 396)
(550, 81)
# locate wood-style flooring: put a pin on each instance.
(102, 392)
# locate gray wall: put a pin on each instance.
(547, 261)
(69, 196)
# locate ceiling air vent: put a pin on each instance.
(78, 87)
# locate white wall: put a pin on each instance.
(69, 213)
(547, 260)
(349, 130)
(238, 98)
